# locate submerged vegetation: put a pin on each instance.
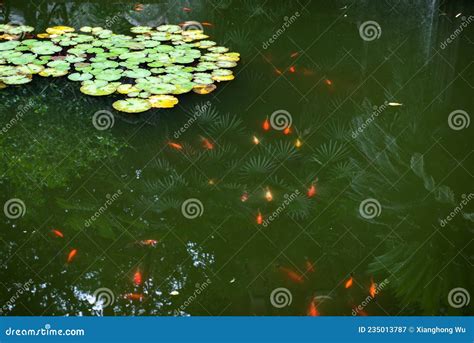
(149, 68)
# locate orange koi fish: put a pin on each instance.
(259, 218)
(268, 195)
(57, 233)
(149, 242)
(278, 71)
(312, 309)
(287, 130)
(205, 23)
(134, 296)
(138, 7)
(309, 266)
(175, 146)
(328, 82)
(372, 288)
(187, 9)
(71, 255)
(137, 278)
(292, 275)
(292, 69)
(298, 143)
(266, 124)
(295, 54)
(349, 283)
(207, 144)
(311, 191)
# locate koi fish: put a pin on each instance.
(349, 283)
(268, 195)
(259, 218)
(137, 278)
(309, 267)
(175, 146)
(256, 141)
(298, 143)
(71, 255)
(205, 23)
(57, 233)
(311, 191)
(328, 82)
(292, 275)
(287, 130)
(266, 124)
(292, 69)
(187, 9)
(244, 197)
(458, 15)
(394, 104)
(207, 144)
(372, 288)
(295, 54)
(149, 242)
(278, 71)
(312, 309)
(133, 296)
(138, 7)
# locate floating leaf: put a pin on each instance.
(163, 101)
(132, 105)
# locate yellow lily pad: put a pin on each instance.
(126, 88)
(163, 101)
(58, 30)
(204, 89)
(2, 85)
(52, 72)
(220, 78)
(42, 35)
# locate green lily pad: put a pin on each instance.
(97, 89)
(132, 105)
(79, 76)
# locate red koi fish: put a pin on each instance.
(205, 23)
(137, 278)
(134, 296)
(349, 283)
(259, 218)
(187, 9)
(266, 125)
(372, 288)
(292, 275)
(312, 309)
(175, 146)
(328, 82)
(287, 130)
(311, 191)
(57, 233)
(71, 255)
(149, 242)
(292, 69)
(207, 144)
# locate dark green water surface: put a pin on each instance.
(107, 191)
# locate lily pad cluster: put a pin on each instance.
(148, 68)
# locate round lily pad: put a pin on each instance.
(163, 101)
(95, 89)
(79, 76)
(132, 105)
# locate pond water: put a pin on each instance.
(373, 182)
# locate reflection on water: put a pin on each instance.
(371, 183)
